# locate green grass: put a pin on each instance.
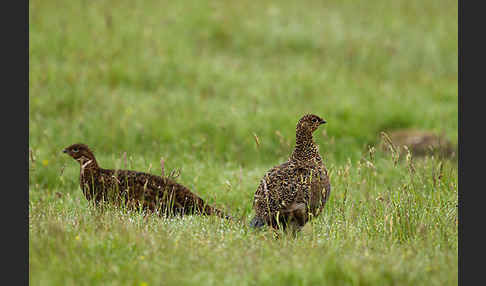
(195, 82)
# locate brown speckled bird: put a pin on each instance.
(136, 189)
(293, 192)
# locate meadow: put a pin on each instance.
(216, 89)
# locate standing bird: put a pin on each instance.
(135, 189)
(293, 192)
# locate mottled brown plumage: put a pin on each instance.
(293, 192)
(135, 189)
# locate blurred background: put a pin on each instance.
(221, 85)
(216, 88)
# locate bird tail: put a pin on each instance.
(257, 222)
(209, 210)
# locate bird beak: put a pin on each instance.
(323, 121)
(64, 151)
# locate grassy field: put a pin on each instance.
(196, 82)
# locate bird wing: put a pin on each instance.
(278, 189)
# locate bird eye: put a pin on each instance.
(314, 120)
(75, 150)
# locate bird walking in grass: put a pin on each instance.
(290, 194)
(136, 189)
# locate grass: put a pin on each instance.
(195, 82)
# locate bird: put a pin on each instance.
(136, 189)
(292, 193)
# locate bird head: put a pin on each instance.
(80, 153)
(309, 123)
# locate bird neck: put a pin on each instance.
(305, 148)
(88, 164)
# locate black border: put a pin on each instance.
(15, 140)
(470, 202)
